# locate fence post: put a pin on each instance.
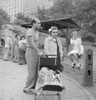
(88, 68)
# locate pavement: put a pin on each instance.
(12, 81)
(78, 76)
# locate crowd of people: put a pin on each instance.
(26, 51)
(16, 49)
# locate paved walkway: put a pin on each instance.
(12, 80)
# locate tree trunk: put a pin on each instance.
(0, 42)
(67, 43)
(67, 39)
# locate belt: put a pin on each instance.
(29, 47)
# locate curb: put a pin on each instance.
(86, 92)
(1, 55)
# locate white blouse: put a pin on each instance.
(50, 46)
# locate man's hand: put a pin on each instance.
(40, 53)
(0, 45)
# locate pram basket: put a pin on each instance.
(50, 62)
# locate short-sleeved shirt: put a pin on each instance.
(8, 42)
(35, 35)
(22, 44)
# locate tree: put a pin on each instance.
(21, 19)
(86, 11)
(4, 18)
(20, 16)
(42, 13)
(86, 15)
(61, 8)
(82, 12)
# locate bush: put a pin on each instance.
(89, 38)
(87, 35)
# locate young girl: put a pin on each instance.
(77, 50)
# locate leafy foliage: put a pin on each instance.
(82, 11)
(4, 18)
(86, 11)
(61, 8)
(21, 19)
(42, 13)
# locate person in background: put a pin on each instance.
(77, 50)
(16, 48)
(8, 44)
(22, 50)
(32, 55)
(53, 46)
(2, 43)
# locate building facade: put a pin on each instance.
(3, 4)
(28, 7)
(12, 7)
(0, 3)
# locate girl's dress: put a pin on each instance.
(77, 47)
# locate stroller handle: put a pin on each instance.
(48, 55)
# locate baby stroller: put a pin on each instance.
(49, 61)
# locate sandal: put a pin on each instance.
(29, 91)
(78, 67)
(73, 65)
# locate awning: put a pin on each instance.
(60, 23)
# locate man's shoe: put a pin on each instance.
(33, 87)
(20, 64)
(78, 66)
(73, 65)
(28, 91)
(5, 60)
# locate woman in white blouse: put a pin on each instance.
(77, 50)
(52, 44)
